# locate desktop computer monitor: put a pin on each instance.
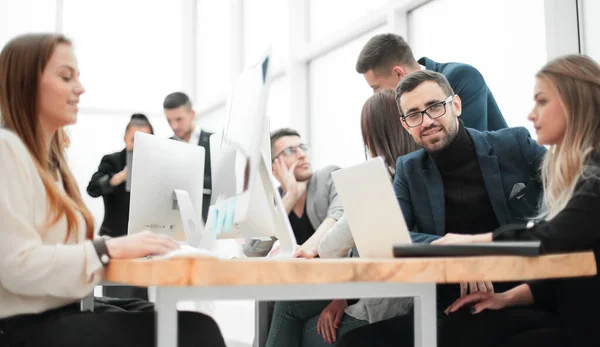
(247, 203)
(167, 185)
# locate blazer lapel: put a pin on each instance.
(492, 179)
(435, 190)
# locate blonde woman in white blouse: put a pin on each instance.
(48, 258)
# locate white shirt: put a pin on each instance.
(195, 136)
(38, 270)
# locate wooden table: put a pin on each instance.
(295, 279)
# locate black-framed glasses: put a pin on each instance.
(414, 119)
(292, 150)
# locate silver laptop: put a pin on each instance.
(371, 208)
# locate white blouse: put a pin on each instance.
(38, 270)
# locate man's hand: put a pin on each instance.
(118, 178)
(450, 239)
(287, 178)
(330, 319)
(470, 287)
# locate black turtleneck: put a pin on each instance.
(468, 207)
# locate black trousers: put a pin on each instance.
(514, 327)
(119, 323)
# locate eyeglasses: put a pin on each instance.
(291, 150)
(414, 119)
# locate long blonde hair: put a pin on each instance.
(577, 80)
(22, 62)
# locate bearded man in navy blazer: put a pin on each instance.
(463, 181)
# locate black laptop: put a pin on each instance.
(521, 248)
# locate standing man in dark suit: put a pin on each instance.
(110, 183)
(387, 58)
(182, 120)
(462, 181)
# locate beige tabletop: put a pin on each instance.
(205, 271)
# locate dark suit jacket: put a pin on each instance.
(575, 228)
(116, 199)
(507, 158)
(479, 108)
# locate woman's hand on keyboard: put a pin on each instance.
(140, 245)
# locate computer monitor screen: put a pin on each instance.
(163, 168)
(245, 127)
(254, 207)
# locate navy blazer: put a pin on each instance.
(479, 108)
(510, 165)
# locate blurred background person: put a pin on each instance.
(182, 120)
(110, 183)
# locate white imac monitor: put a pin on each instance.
(247, 203)
(167, 188)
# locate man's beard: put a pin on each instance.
(187, 134)
(451, 134)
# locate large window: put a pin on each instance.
(212, 120)
(329, 16)
(337, 94)
(23, 16)
(591, 28)
(130, 52)
(278, 104)
(506, 45)
(213, 51)
(266, 25)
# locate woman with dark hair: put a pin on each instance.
(383, 136)
(110, 183)
(109, 180)
(49, 259)
(382, 131)
(323, 322)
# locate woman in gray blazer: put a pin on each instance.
(383, 136)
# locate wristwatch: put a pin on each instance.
(101, 250)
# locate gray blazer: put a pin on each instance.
(322, 201)
(337, 243)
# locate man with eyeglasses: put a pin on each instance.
(313, 206)
(462, 181)
(387, 58)
(309, 197)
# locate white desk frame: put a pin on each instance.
(424, 294)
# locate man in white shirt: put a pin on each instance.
(182, 120)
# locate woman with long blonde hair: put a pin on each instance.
(49, 259)
(566, 117)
